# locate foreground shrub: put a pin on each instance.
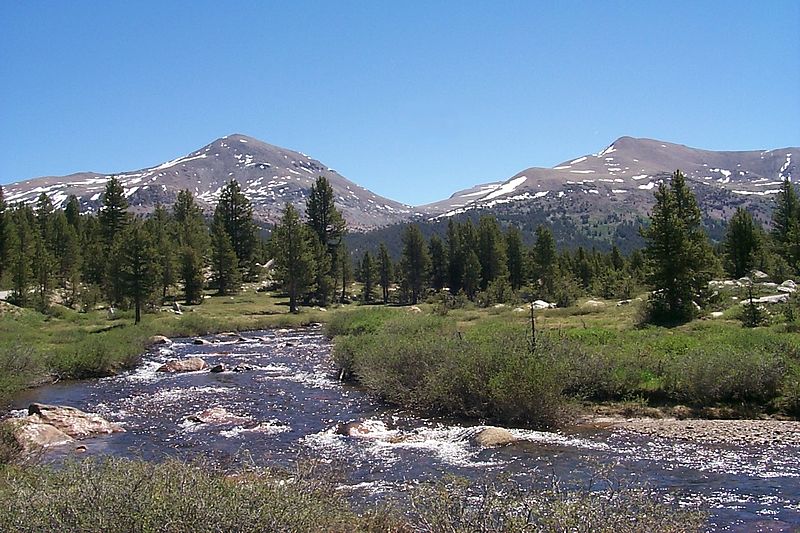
(120, 496)
(455, 506)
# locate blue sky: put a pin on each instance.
(413, 100)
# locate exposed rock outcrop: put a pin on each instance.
(73, 422)
(490, 437)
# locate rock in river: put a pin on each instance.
(160, 339)
(190, 364)
(32, 435)
(217, 415)
(492, 436)
(71, 421)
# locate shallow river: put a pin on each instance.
(290, 405)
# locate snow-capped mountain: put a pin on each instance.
(621, 179)
(269, 175)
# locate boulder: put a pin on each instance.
(242, 368)
(594, 304)
(30, 434)
(414, 309)
(623, 302)
(191, 364)
(216, 369)
(541, 304)
(200, 342)
(757, 274)
(772, 299)
(788, 286)
(369, 429)
(160, 339)
(493, 436)
(216, 415)
(71, 421)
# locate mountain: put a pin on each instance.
(269, 175)
(619, 181)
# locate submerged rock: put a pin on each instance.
(218, 368)
(191, 364)
(71, 421)
(216, 415)
(200, 342)
(493, 436)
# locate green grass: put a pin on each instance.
(476, 362)
(121, 496)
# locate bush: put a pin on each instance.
(120, 496)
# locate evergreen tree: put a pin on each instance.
(5, 237)
(368, 278)
(678, 253)
(438, 255)
(95, 256)
(44, 262)
(73, 213)
(385, 271)
(160, 227)
(544, 262)
(515, 257)
(193, 245)
(415, 261)
(21, 253)
(113, 216)
(67, 252)
(329, 226)
(294, 259)
(345, 270)
(324, 285)
(471, 281)
(234, 214)
(491, 250)
(456, 256)
(139, 273)
(785, 214)
(742, 243)
(225, 271)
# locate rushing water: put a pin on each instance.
(289, 406)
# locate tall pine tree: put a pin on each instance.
(193, 245)
(329, 226)
(415, 261)
(139, 266)
(742, 243)
(385, 271)
(294, 256)
(234, 213)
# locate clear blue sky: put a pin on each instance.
(413, 100)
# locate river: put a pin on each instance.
(290, 404)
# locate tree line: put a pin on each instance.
(133, 261)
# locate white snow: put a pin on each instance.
(506, 188)
(582, 171)
(640, 177)
(580, 159)
(648, 186)
(563, 167)
(607, 151)
(174, 162)
(758, 193)
(618, 191)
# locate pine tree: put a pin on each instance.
(193, 245)
(785, 214)
(329, 226)
(678, 253)
(742, 243)
(438, 255)
(139, 268)
(67, 252)
(160, 226)
(471, 281)
(113, 216)
(21, 253)
(294, 260)
(415, 261)
(368, 278)
(5, 228)
(44, 262)
(516, 258)
(73, 213)
(234, 214)
(455, 256)
(544, 262)
(345, 270)
(491, 251)
(324, 284)
(225, 271)
(385, 271)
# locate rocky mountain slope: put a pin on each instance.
(269, 175)
(620, 179)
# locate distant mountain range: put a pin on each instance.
(591, 195)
